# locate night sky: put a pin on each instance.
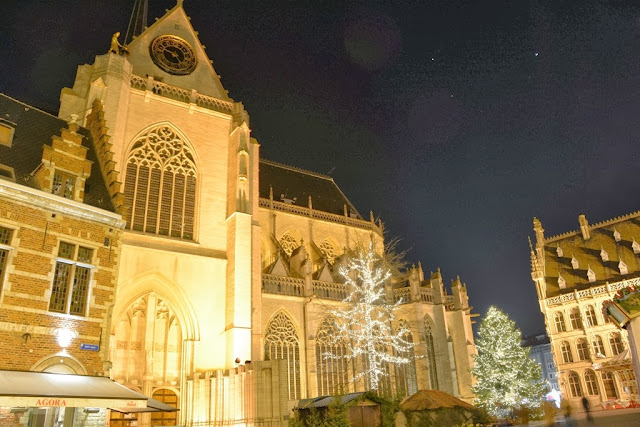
(456, 122)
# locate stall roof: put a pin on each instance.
(37, 389)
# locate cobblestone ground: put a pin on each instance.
(617, 418)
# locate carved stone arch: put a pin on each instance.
(165, 123)
(290, 240)
(153, 281)
(69, 363)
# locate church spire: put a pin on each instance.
(138, 20)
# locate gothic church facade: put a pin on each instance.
(228, 262)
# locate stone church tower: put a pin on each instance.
(229, 263)
(189, 168)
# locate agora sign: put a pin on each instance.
(51, 402)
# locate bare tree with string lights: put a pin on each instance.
(364, 321)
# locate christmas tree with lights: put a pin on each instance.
(507, 378)
(364, 322)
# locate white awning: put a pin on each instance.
(39, 389)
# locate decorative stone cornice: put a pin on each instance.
(51, 202)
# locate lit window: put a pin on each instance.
(616, 343)
(71, 279)
(590, 314)
(609, 385)
(281, 342)
(565, 348)
(332, 372)
(575, 318)
(160, 185)
(591, 383)
(5, 239)
(559, 321)
(574, 385)
(582, 349)
(63, 184)
(598, 346)
(6, 134)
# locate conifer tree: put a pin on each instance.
(364, 322)
(507, 378)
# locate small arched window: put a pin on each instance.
(582, 348)
(609, 385)
(590, 315)
(591, 383)
(575, 318)
(616, 343)
(565, 349)
(160, 184)
(598, 346)
(559, 321)
(574, 384)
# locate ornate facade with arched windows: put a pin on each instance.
(573, 279)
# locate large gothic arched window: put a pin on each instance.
(281, 342)
(160, 184)
(431, 356)
(332, 372)
(406, 373)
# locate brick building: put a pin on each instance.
(59, 244)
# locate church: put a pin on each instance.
(209, 272)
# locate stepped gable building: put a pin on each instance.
(60, 234)
(227, 263)
(573, 274)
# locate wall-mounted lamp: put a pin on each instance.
(64, 336)
(26, 337)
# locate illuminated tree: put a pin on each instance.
(507, 378)
(364, 322)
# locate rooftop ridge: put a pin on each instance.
(296, 169)
(600, 224)
(31, 106)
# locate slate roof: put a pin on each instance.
(587, 253)
(296, 185)
(34, 129)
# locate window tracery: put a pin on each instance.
(281, 342)
(289, 243)
(332, 372)
(328, 250)
(160, 184)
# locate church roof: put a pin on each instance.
(610, 254)
(34, 129)
(294, 186)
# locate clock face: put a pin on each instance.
(173, 54)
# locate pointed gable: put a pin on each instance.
(203, 78)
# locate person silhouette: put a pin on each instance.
(585, 405)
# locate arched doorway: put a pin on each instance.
(169, 397)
